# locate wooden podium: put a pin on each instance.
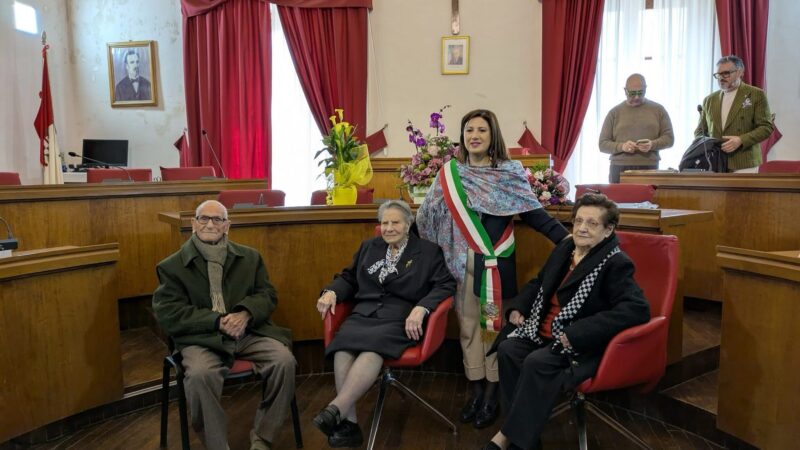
(59, 331)
(759, 356)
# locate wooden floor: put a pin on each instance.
(400, 428)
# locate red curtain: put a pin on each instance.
(743, 32)
(329, 49)
(226, 52)
(570, 43)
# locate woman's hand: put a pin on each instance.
(414, 323)
(326, 302)
(564, 340)
(516, 318)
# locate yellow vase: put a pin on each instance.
(344, 195)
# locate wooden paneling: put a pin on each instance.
(386, 181)
(751, 210)
(304, 247)
(127, 213)
(60, 336)
(759, 358)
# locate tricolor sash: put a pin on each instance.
(478, 240)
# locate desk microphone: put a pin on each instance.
(9, 243)
(260, 198)
(128, 174)
(213, 153)
(702, 122)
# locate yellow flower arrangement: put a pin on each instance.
(346, 163)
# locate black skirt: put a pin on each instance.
(358, 333)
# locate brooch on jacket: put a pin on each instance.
(747, 103)
(408, 264)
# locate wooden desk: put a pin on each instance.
(127, 213)
(386, 181)
(759, 211)
(759, 359)
(322, 240)
(59, 331)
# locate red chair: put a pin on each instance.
(620, 193)
(364, 197)
(780, 167)
(636, 357)
(187, 173)
(249, 198)
(519, 151)
(118, 174)
(412, 357)
(9, 179)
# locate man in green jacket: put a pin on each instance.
(738, 114)
(215, 300)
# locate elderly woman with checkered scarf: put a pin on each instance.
(561, 322)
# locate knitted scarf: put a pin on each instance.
(215, 255)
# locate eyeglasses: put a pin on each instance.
(203, 220)
(591, 224)
(639, 93)
(724, 74)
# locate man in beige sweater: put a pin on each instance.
(635, 130)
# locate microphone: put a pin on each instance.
(128, 174)
(9, 243)
(702, 122)
(260, 198)
(213, 153)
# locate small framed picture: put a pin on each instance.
(455, 55)
(132, 73)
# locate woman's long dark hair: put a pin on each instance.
(497, 147)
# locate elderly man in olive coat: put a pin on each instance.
(215, 301)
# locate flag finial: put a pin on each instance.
(44, 38)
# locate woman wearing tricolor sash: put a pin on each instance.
(469, 212)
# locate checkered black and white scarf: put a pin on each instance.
(530, 328)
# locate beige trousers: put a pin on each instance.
(476, 364)
(204, 378)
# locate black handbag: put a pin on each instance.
(704, 154)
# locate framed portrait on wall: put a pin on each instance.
(455, 55)
(132, 73)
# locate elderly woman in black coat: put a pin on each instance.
(561, 321)
(396, 280)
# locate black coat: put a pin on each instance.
(615, 303)
(422, 279)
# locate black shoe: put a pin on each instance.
(491, 446)
(327, 420)
(469, 410)
(347, 434)
(486, 415)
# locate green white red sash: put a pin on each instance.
(478, 240)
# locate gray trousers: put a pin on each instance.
(204, 377)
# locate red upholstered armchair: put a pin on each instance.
(636, 357)
(620, 193)
(365, 196)
(412, 357)
(249, 198)
(187, 173)
(118, 174)
(9, 179)
(780, 167)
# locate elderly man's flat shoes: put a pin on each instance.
(347, 434)
(469, 410)
(327, 420)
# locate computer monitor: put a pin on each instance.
(111, 151)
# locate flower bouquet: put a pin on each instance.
(346, 163)
(549, 186)
(432, 152)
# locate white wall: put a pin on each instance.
(504, 73)
(783, 76)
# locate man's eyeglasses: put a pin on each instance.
(724, 74)
(203, 220)
(639, 93)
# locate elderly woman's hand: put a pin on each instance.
(414, 323)
(326, 302)
(516, 318)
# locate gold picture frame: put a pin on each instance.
(455, 55)
(136, 59)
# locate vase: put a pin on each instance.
(344, 195)
(418, 193)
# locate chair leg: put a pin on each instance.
(376, 415)
(617, 426)
(405, 389)
(560, 409)
(578, 403)
(164, 404)
(298, 436)
(182, 409)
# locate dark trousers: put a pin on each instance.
(615, 171)
(531, 380)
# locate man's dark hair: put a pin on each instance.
(611, 216)
(737, 62)
(497, 147)
(129, 53)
